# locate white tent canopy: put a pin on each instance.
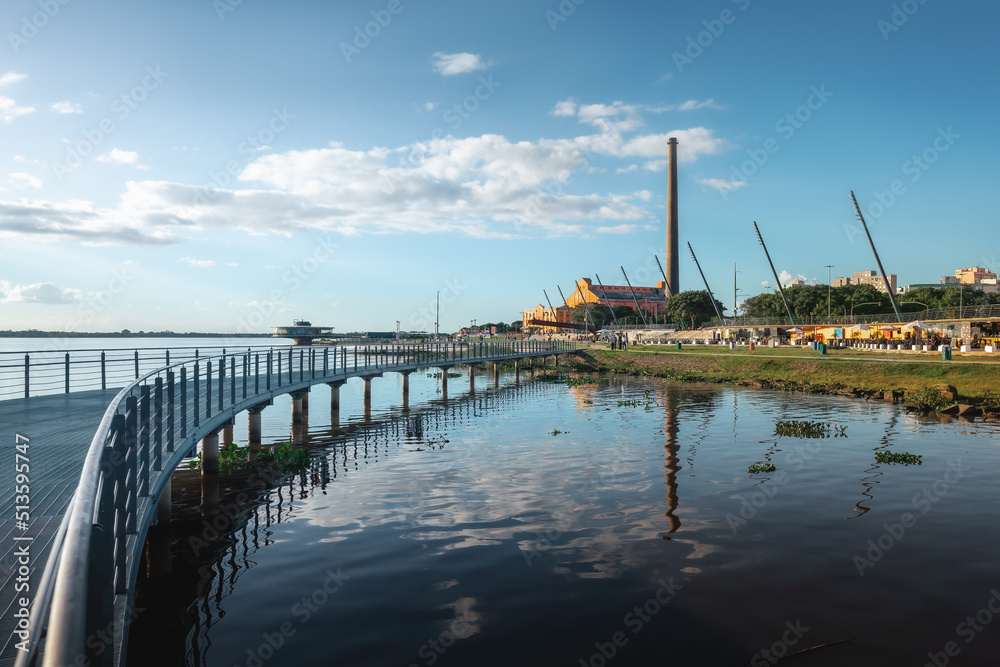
(917, 324)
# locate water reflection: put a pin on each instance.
(521, 525)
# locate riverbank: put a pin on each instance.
(920, 384)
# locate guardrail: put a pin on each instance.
(150, 426)
(927, 315)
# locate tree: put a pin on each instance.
(600, 315)
(694, 306)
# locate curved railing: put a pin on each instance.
(148, 428)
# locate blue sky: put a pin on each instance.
(221, 166)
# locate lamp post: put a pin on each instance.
(866, 303)
(926, 307)
(829, 286)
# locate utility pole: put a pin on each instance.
(437, 315)
(735, 290)
(829, 286)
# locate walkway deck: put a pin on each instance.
(62, 427)
(56, 452)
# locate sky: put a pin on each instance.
(231, 165)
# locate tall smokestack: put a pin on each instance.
(673, 260)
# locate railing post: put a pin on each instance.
(158, 424)
(326, 361)
(170, 411)
(197, 394)
(355, 363)
(269, 362)
(256, 373)
(291, 362)
(279, 368)
(301, 359)
(144, 441)
(67, 372)
(137, 364)
(222, 380)
(131, 443)
(104, 375)
(232, 380)
(184, 401)
(120, 444)
(246, 371)
(27, 375)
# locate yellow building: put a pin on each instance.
(541, 313)
(652, 300)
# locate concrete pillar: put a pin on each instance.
(368, 389)
(406, 387)
(531, 366)
(298, 414)
(472, 378)
(335, 395)
(496, 374)
(444, 383)
(517, 371)
(210, 455)
(305, 402)
(227, 434)
(253, 428)
(299, 433)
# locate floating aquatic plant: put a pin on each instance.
(905, 458)
(761, 466)
(809, 429)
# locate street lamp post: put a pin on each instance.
(866, 303)
(829, 286)
(926, 307)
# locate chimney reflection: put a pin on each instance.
(671, 403)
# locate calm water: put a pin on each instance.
(471, 534)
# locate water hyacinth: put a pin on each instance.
(761, 466)
(809, 429)
(905, 458)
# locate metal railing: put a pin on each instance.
(928, 315)
(147, 430)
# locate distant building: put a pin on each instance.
(652, 300)
(540, 312)
(873, 278)
(974, 276)
(797, 282)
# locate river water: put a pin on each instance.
(546, 524)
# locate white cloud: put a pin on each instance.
(694, 105)
(117, 156)
(9, 109)
(665, 77)
(46, 293)
(627, 170)
(785, 277)
(65, 106)
(10, 77)
(565, 108)
(722, 185)
(22, 180)
(484, 186)
(429, 106)
(232, 264)
(200, 263)
(449, 64)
